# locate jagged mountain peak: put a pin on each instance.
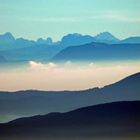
(106, 37)
(7, 36)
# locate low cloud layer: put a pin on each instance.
(68, 76)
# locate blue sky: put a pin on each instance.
(55, 18)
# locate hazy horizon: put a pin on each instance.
(66, 76)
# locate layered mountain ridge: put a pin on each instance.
(21, 49)
(33, 102)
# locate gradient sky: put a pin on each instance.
(42, 18)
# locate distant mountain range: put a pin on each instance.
(106, 37)
(99, 51)
(21, 49)
(28, 103)
(8, 41)
(119, 120)
(131, 40)
(37, 52)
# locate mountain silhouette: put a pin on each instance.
(7, 37)
(76, 39)
(47, 41)
(20, 49)
(37, 52)
(105, 121)
(131, 40)
(31, 102)
(106, 37)
(8, 42)
(79, 39)
(99, 51)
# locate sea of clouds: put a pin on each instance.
(66, 76)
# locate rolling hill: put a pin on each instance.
(28, 103)
(118, 120)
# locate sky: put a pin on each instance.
(54, 18)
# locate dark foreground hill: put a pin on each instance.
(114, 121)
(29, 103)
